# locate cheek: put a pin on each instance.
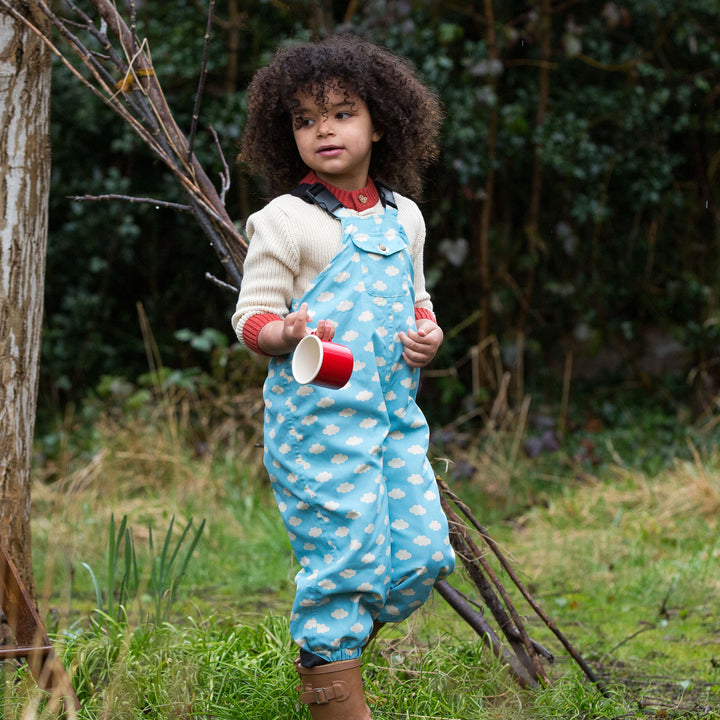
(300, 142)
(304, 149)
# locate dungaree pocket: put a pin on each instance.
(389, 278)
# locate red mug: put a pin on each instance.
(322, 362)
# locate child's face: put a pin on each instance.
(336, 140)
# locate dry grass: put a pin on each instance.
(627, 565)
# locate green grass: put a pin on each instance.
(626, 563)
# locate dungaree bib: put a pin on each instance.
(348, 467)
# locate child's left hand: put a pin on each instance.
(421, 345)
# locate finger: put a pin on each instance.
(412, 344)
(416, 336)
(299, 328)
(329, 331)
(412, 361)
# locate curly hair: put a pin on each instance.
(402, 108)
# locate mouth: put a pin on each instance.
(329, 150)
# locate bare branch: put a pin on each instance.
(502, 609)
(99, 34)
(134, 200)
(217, 242)
(483, 628)
(220, 283)
(138, 99)
(201, 80)
(133, 26)
(225, 175)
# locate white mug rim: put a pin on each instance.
(306, 366)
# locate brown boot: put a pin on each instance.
(333, 691)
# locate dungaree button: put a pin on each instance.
(382, 248)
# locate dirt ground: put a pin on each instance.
(664, 697)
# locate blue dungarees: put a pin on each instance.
(348, 467)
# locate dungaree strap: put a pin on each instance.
(318, 194)
(386, 195)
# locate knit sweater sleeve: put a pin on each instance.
(271, 264)
(290, 242)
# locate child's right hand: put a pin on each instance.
(280, 337)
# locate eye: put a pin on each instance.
(301, 122)
(343, 115)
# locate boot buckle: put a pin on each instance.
(321, 695)
(338, 691)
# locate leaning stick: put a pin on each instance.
(201, 83)
(521, 587)
(477, 622)
(479, 571)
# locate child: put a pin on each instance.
(348, 467)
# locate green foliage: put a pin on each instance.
(577, 703)
(167, 569)
(626, 233)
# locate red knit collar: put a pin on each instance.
(359, 200)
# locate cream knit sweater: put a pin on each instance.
(291, 241)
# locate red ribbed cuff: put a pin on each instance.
(253, 325)
(424, 314)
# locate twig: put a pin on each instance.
(133, 26)
(101, 36)
(663, 609)
(630, 637)
(225, 174)
(201, 80)
(134, 200)
(216, 241)
(536, 645)
(220, 283)
(104, 81)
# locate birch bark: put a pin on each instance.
(24, 189)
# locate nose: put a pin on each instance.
(324, 127)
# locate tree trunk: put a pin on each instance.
(24, 189)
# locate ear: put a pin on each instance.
(376, 136)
